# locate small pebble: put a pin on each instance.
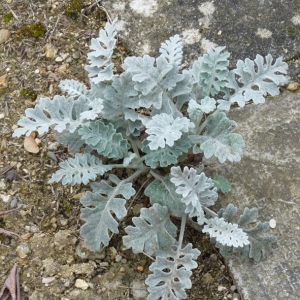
(221, 288)
(233, 288)
(122, 270)
(272, 223)
(81, 284)
(140, 268)
(118, 258)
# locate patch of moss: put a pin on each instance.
(7, 18)
(292, 31)
(34, 30)
(28, 94)
(73, 8)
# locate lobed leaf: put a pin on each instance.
(104, 139)
(64, 114)
(172, 50)
(166, 156)
(252, 80)
(227, 234)
(162, 191)
(97, 208)
(164, 130)
(195, 190)
(81, 169)
(171, 273)
(153, 231)
(214, 71)
(219, 140)
(100, 66)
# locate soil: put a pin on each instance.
(49, 41)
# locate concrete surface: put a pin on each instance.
(246, 28)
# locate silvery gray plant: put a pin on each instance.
(150, 119)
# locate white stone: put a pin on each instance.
(144, 7)
(207, 8)
(191, 36)
(263, 33)
(81, 284)
(296, 19)
(272, 223)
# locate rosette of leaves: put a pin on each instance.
(150, 120)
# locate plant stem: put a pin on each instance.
(182, 228)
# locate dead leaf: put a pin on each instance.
(30, 144)
(4, 81)
(293, 86)
(9, 173)
(11, 285)
(50, 51)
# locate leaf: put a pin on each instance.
(81, 169)
(11, 285)
(120, 102)
(104, 139)
(73, 140)
(195, 190)
(74, 88)
(260, 246)
(168, 155)
(219, 140)
(226, 233)
(164, 130)
(228, 213)
(252, 80)
(214, 71)
(100, 66)
(221, 183)
(64, 114)
(171, 272)
(97, 208)
(155, 83)
(153, 231)
(172, 50)
(162, 191)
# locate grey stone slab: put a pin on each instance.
(246, 27)
(268, 177)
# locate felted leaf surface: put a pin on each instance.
(81, 169)
(226, 233)
(260, 246)
(153, 231)
(97, 208)
(164, 130)
(221, 183)
(73, 140)
(100, 59)
(228, 213)
(168, 155)
(252, 80)
(214, 71)
(171, 273)
(64, 115)
(171, 49)
(154, 82)
(104, 139)
(120, 100)
(219, 140)
(162, 191)
(195, 190)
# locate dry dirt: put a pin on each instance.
(53, 261)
